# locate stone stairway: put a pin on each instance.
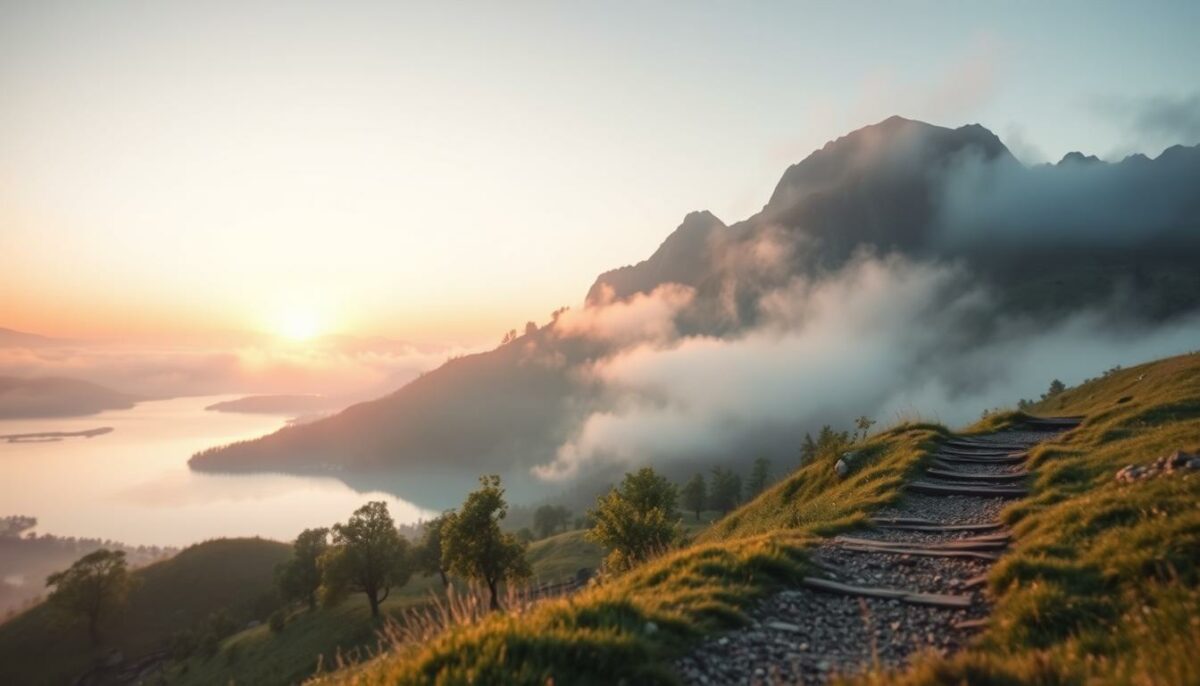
(915, 580)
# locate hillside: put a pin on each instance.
(1097, 566)
(173, 596)
(1115, 242)
(22, 398)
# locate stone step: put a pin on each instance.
(911, 597)
(920, 552)
(994, 542)
(982, 490)
(1053, 422)
(959, 452)
(982, 445)
(884, 524)
(985, 478)
(1014, 459)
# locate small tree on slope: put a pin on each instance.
(636, 520)
(695, 494)
(93, 588)
(369, 556)
(300, 577)
(474, 547)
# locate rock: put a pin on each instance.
(650, 629)
(842, 468)
(783, 626)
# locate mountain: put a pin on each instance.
(22, 398)
(1040, 243)
(10, 338)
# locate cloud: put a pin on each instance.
(1157, 120)
(332, 367)
(880, 337)
(643, 317)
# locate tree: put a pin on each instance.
(428, 553)
(93, 588)
(548, 519)
(368, 556)
(1056, 387)
(760, 476)
(863, 425)
(636, 520)
(726, 491)
(695, 494)
(473, 545)
(300, 577)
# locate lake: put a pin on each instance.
(133, 485)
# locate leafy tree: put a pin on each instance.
(368, 556)
(863, 426)
(760, 475)
(93, 588)
(548, 519)
(300, 577)
(1056, 387)
(636, 520)
(428, 552)
(525, 535)
(473, 545)
(726, 491)
(695, 494)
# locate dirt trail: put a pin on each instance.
(914, 581)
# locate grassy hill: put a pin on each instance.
(177, 594)
(315, 640)
(1101, 585)
(626, 629)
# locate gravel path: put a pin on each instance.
(804, 636)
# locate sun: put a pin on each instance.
(298, 324)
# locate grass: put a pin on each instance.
(627, 629)
(175, 594)
(346, 633)
(1103, 582)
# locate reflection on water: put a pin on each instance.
(134, 485)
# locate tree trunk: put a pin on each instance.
(495, 600)
(697, 515)
(374, 604)
(445, 579)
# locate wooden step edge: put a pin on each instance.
(912, 597)
(987, 538)
(971, 623)
(938, 528)
(921, 552)
(980, 491)
(905, 520)
(950, 545)
(978, 580)
(968, 476)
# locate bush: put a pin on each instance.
(277, 621)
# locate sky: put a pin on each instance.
(444, 172)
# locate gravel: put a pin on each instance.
(805, 636)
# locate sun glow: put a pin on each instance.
(298, 324)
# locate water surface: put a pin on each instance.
(134, 485)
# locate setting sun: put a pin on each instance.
(298, 324)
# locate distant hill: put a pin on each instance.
(10, 338)
(275, 404)
(1047, 241)
(27, 398)
(235, 575)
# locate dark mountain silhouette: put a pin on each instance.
(22, 398)
(1044, 239)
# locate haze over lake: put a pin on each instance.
(134, 484)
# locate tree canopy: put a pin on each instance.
(474, 547)
(726, 490)
(428, 553)
(636, 520)
(368, 556)
(760, 476)
(300, 577)
(92, 589)
(695, 494)
(548, 519)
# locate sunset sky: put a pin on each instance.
(379, 169)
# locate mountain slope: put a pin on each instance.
(952, 198)
(176, 595)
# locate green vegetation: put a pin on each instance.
(760, 476)
(92, 589)
(548, 519)
(694, 495)
(300, 577)
(368, 556)
(474, 547)
(726, 490)
(169, 598)
(637, 520)
(1103, 582)
(628, 627)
